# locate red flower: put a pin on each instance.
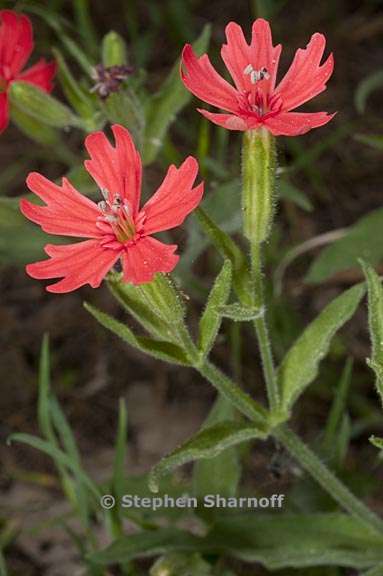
(256, 101)
(16, 45)
(116, 226)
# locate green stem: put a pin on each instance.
(261, 329)
(238, 398)
(294, 445)
(311, 463)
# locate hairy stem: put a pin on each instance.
(261, 329)
(329, 482)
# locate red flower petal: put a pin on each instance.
(204, 82)
(41, 74)
(174, 199)
(296, 123)
(229, 121)
(67, 211)
(16, 42)
(148, 256)
(118, 169)
(78, 264)
(237, 54)
(306, 78)
(4, 112)
(265, 53)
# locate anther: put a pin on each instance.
(256, 75)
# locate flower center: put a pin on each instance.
(259, 100)
(118, 215)
(256, 75)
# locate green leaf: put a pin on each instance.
(42, 106)
(228, 249)
(163, 107)
(375, 321)
(338, 408)
(219, 475)
(57, 455)
(211, 318)
(283, 540)
(181, 564)
(240, 313)
(162, 350)
(208, 443)
(81, 101)
(300, 365)
(342, 442)
(113, 50)
(377, 442)
(146, 545)
(55, 21)
(362, 240)
(275, 540)
(84, 25)
(52, 419)
(366, 87)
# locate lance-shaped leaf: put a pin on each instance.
(228, 249)
(337, 414)
(42, 106)
(211, 318)
(160, 349)
(375, 320)
(58, 456)
(275, 540)
(208, 443)
(164, 106)
(240, 313)
(81, 100)
(300, 365)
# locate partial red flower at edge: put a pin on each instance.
(16, 45)
(256, 100)
(116, 227)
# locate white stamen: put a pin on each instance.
(264, 74)
(248, 69)
(102, 205)
(111, 218)
(254, 76)
(105, 193)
